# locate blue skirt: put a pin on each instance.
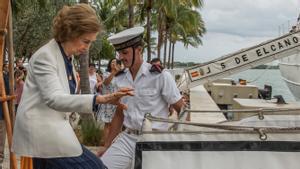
(87, 160)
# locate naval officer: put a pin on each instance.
(154, 92)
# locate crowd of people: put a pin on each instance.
(119, 97)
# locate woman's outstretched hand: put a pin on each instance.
(115, 97)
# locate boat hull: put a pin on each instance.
(212, 150)
(290, 72)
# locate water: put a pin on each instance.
(260, 77)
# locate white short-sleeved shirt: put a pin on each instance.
(154, 92)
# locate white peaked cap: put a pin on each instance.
(127, 38)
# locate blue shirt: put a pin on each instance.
(69, 70)
(70, 75)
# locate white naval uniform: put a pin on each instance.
(154, 92)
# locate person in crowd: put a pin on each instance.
(92, 77)
(154, 92)
(41, 129)
(107, 111)
(156, 61)
(22, 68)
(19, 63)
(19, 83)
(156, 65)
(99, 84)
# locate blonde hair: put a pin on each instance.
(73, 21)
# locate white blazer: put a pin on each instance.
(41, 129)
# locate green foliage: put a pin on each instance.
(32, 21)
(31, 29)
(113, 13)
(107, 51)
(102, 49)
(180, 21)
(90, 132)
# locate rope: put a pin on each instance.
(259, 76)
(260, 110)
(222, 126)
(260, 130)
(256, 112)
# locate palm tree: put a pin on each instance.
(144, 11)
(83, 71)
(187, 28)
(164, 9)
(130, 13)
(181, 22)
(149, 7)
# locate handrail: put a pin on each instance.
(261, 130)
(263, 110)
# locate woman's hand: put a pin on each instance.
(115, 97)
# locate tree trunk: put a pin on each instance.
(160, 32)
(165, 48)
(169, 57)
(130, 14)
(99, 68)
(20, 45)
(84, 76)
(83, 73)
(173, 48)
(149, 30)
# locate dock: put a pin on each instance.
(201, 100)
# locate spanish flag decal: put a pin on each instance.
(195, 74)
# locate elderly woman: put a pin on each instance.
(41, 129)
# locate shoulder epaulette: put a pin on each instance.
(156, 68)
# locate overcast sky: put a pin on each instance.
(235, 24)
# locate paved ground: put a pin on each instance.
(5, 164)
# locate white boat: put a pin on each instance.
(290, 69)
(270, 139)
